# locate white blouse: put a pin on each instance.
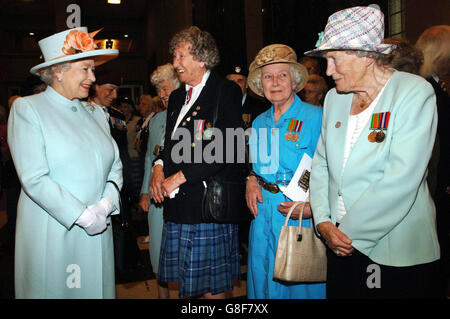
(356, 124)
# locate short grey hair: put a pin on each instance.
(47, 74)
(163, 73)
(295, 74)
(203, 46)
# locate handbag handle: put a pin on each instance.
(300, 217)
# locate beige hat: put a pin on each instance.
(274, 53)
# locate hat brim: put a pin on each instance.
(99, 56)
(253, 74)
(380, 48)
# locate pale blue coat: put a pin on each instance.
(269, 154)
(156, 133)
(64, 154)
(390, 213)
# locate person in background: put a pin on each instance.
(202, 257)
(292, 127)
(147, 110)
(311, 64)
(315, 90)
(126, 106)
(165, 80)
(405, 57)
(251, 108)
(70, 177)
(369, 195)
(434, 43)
(159, 105)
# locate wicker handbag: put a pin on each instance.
(301, 255)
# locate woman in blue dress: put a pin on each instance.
(280, 137)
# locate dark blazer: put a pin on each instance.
(253, 107)
(185, 208)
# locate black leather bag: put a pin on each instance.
(224, 198)
(224, 201)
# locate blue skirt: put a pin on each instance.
(202, 258)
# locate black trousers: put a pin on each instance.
(358, 277)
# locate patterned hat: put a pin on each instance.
(357, 28)
(274, 53)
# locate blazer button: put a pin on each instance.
(339, 192)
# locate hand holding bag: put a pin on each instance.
(301, 255)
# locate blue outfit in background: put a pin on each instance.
(156, 134)
(282, 154)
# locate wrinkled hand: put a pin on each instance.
(173, 182)
(156, 190)
(144, 203)
(253, 195)
(338, 242)
(284, 208)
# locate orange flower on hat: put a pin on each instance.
(79, 41)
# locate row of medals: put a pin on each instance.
(376, 136)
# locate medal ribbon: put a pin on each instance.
(295, 125)
(380, 121)
(200, 125)
(246, 118)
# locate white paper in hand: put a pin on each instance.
(297, 190)
(174, 192)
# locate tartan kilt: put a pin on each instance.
(202, 257)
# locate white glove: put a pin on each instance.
(93, 223)
(104, 206)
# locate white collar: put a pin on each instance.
(435, 77)
(201, 84)
(244, 98)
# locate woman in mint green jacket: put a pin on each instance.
(369, 195)
(70, 171)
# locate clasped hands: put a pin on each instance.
(335, 239)
(161, 187)
(93, 219)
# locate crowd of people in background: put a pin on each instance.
(81, 184)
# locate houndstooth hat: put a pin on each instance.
(357, 28)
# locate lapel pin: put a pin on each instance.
(337, 125)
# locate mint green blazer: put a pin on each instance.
(390, 213)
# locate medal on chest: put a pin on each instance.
(378, 124)
(294, 128)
